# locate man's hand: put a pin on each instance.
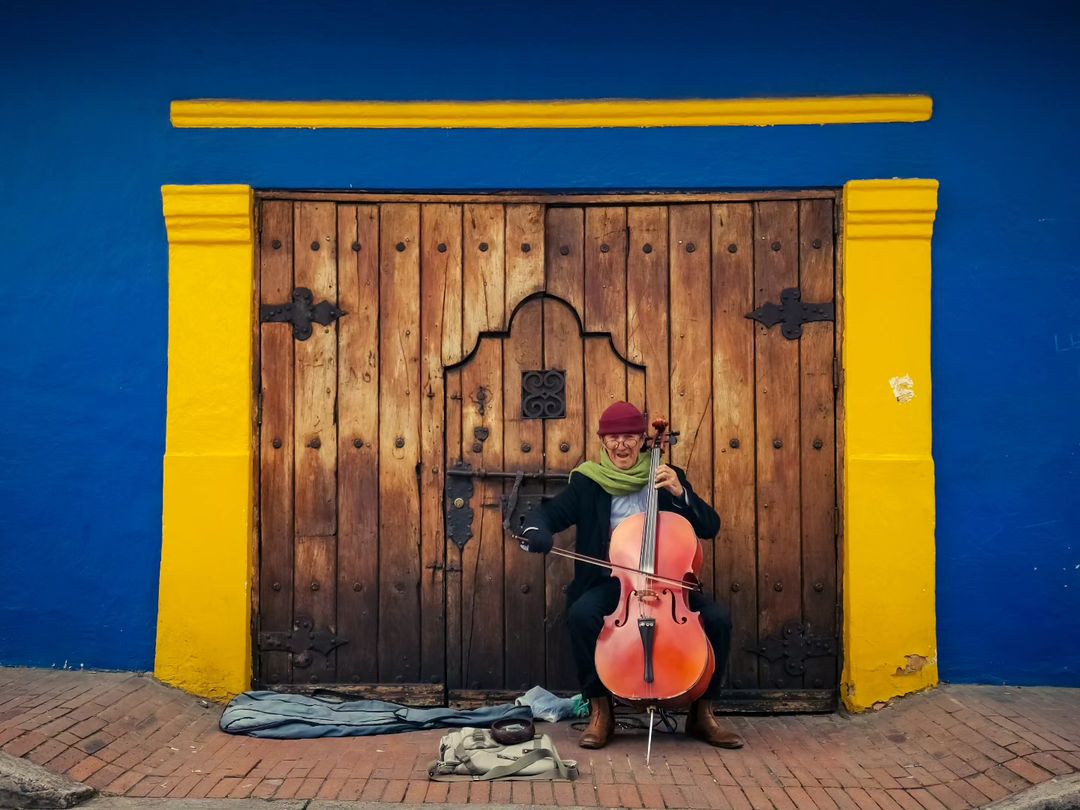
(536, 540)
(667, 479)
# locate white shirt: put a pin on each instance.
(623, 506)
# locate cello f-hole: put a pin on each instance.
(674, 607)
(622, 620)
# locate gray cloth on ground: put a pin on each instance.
(295, 717)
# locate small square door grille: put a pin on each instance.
(543, 394)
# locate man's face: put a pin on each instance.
(623, 449)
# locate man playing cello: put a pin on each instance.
(597, 499)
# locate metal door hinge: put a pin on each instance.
(836, 373)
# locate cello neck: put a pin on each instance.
(647, 562)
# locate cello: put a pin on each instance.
(653, 652)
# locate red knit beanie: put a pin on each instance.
(622, 417)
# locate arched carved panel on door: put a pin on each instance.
(527, 400)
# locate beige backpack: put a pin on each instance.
(472, 754)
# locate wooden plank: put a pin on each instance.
(409, 694)
(314, 605)
(276, 440)
(400, 392)
(564, 449)
(482, 558)
(647, 323)
(776, 267)
(818, 422)
(605, 273)
(315, 586)
(691, 366)
(564, 234)
(453, 352)
(756, 701)
(524, 253)
(454, 555)
(735, 557)
(484, 271)
(440, 280)
(647, 198)
(777, 701)
(315, 251)
(358, 444)
(523, 449)
(605, 383)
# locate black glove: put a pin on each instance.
(536, 539)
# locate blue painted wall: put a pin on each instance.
(86, 144)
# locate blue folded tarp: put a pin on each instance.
(298, 717)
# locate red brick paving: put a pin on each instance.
(948, 749)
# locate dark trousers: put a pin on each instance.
(585, 619)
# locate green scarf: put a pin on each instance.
(613, 480)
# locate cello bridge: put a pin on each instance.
(650, 597)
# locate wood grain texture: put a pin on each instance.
(776, 267)
(735, 559)
(276, 440)
(454, 556)
(646, 198)
(605, 384)
(315, 252)
(315, 600)
(484, 271)
(400, 393)
(482, 560)
(523, 449)
(524, 253)
(315, 585)
(691, 366)
(647, 313)
(563, 258)
(440, 297)
(564, 449)
(605, 273)
(817, 421)
(358, 444)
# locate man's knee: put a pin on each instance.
(716, 618)
(586, 614)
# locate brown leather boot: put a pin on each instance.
(701, 724)
(601, 723)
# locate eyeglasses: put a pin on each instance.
(625, 441)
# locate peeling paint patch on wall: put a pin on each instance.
(914, 664)
(903, 388)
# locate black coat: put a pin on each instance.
(585, 504)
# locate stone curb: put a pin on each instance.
(1060, 793)
(26, 785)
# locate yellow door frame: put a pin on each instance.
(887, 479)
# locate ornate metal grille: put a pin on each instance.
(543, 394)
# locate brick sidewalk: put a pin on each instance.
(953, 747)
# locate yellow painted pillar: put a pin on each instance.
(890, 635)
(207, 553)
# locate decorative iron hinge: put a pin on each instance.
(302, 642)
(794, 645)
(301, 313)
(792, 313)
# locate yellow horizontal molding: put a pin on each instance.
(890, 209)
(559, 114)
(207, 214)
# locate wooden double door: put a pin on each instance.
(416, 355)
